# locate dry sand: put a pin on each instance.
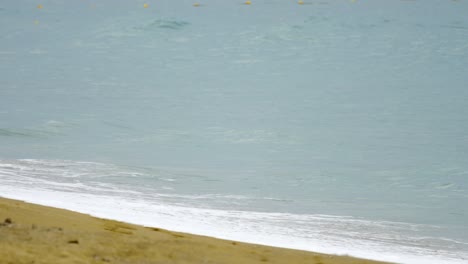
(32, 233)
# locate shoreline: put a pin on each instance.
(225, 225)
(43, 234)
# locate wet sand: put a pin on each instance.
(32, 233)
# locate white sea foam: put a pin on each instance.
(261, 228)
(380, 240)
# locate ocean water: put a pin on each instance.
(332, 126)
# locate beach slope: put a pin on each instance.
(32, 233)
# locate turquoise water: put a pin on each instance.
(328, 123)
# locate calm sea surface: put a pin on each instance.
(332, 126)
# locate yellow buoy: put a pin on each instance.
(39, 6)
(145, 5)
(196, 4)
(36, 22)
(248, 2)
(300, 2)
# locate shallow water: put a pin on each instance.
(322, 120)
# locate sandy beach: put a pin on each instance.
(32, 233)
